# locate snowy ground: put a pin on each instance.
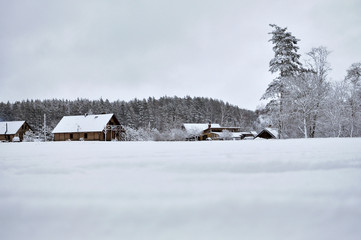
(275, 189)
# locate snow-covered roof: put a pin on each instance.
(273, 131)
(198, 127)
(253, 133)
(83, 123)
(12, 127)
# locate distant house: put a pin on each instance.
(222, 133)
(268, 133)
(9, 130)
(195, 130)
(101, 127)
(211, 131)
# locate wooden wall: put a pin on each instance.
(90, 136)
(20, 133)
(7, 137)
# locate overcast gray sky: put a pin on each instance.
(139, 48)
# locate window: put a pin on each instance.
(71, 136)
(85, 135)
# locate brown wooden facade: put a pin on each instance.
(113, 132)
(20, 133)
(213, 133)
(86, 136)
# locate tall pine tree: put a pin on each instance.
(286, 63)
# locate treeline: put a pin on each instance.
(303, 102)
(161, 114)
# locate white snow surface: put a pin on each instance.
(12, 127)
(82, 123)
(272, 189)
(198, 127)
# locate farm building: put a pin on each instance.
(227, 133)
(101, 127)
(210, 131)
(268, 133)
(222, 133)
(195, 130)
(9, 130)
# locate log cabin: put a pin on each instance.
(9, 130)
(100, 127)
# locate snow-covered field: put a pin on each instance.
(275, 189)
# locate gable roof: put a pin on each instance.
(198, 127)
(10, 127)
(83, 123)
(271, 131)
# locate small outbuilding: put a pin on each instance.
(100, 127)
(268, 133)
(13, 129)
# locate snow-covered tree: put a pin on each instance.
(286, 63)
(29, 136)
(319, 66)
(333, 118)
(307, 91)
(353, 80)
(226, 135)
(305, 104)
(354, 74)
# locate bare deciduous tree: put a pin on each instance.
(353, 79)
(320, 67)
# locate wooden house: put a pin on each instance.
(210, 131)
(222, 133)
(101, 127)
(268, 133)
(195, 130)
(9, 130)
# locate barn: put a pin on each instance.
(9, 130)
(100, 127)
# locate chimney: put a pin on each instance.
(6, 128)
(209, 125)
(85, 114)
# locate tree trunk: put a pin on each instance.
(280, 117)
(305, 127)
